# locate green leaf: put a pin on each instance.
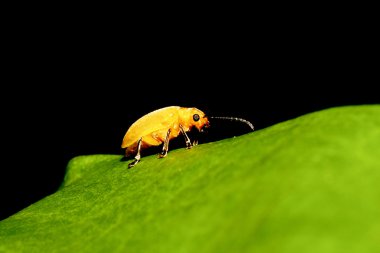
(310, 184)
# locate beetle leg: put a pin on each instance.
(165, 147)
(187, 139)
(138, 156)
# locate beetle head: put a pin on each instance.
(193, 117)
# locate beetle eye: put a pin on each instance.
(195, 117)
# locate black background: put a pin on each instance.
(76, 88)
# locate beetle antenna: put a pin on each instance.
(236, 119)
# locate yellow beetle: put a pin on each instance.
(162, 125)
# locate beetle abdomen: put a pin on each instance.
(153, 139)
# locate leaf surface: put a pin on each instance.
(309, 184)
